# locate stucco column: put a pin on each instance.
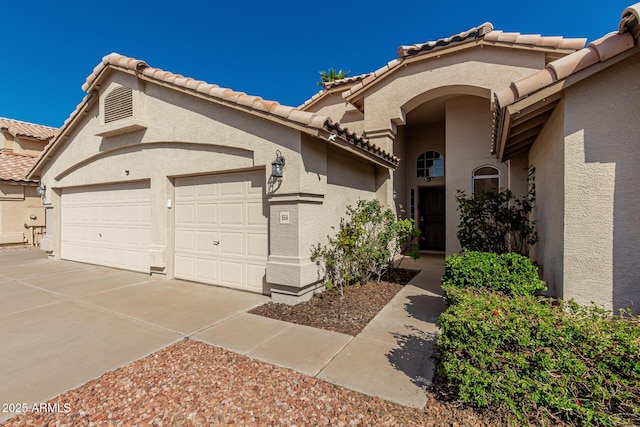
(51, 240)
(291, 275)
(162, 225)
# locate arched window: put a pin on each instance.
(430, 164)
(486, 178)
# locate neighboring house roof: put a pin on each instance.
(320, 126)
(27, 130)
(523, 108)
(14, 167)
(484, 34)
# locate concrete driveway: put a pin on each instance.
(64, 323)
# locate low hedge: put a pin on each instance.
(540, 358)
(509, 274)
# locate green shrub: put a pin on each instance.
(497, 221)
(509, 274)
(539, 358)
(364, 245)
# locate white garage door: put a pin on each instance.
(107, 225)
(221, 230)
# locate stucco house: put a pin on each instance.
(577, 121)
(172, 176)
(167, 175)
(22, 218)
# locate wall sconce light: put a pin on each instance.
(40, 189)
(429, 178)
(277, 165)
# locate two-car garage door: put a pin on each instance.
(221, 230)
(107, 225)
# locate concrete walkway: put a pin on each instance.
(64, 323)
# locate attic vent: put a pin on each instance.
(118, 104)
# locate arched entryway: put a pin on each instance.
(442, 139)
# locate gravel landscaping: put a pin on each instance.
(192, 383)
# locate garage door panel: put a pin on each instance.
(232, 188)
(231, 244)
(206, 188)
(186, 190)
(186, 265)
(207, 269)
(255, 275)
(185, 239)
(206, 241)
(231, 214)
(231, 273)
(257, 244)
(255, 214)
(207, 214)
(185, 214)
(107, 225)
(230, 209)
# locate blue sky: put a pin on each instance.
(270, 49)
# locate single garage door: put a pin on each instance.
(107, 225)
(221, 230)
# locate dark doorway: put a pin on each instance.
(432, 218)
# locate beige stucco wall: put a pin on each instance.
(334, 106)
(602, 237)
(547, 156)
(468, 138)
(16, 203)
(186, 135)
(480, 67)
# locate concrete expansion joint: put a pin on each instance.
(334, 356)
(218, 322)
(124, 316)
(29, 309)
(289, 325)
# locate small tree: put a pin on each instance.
(331, 75)
(364, 245)
(497, 222)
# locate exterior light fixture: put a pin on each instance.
(40, 189)
(277, 165)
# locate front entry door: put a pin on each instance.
(432, 218)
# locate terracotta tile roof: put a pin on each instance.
(25, 129)
(481, 34)
(318, 125)
(345, 81)
(332, 87)
(14, 167)
(598, 51)
(473, 33)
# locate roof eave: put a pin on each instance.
(507, 118)
(50, 149)
(94, 86)
(343, 143)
